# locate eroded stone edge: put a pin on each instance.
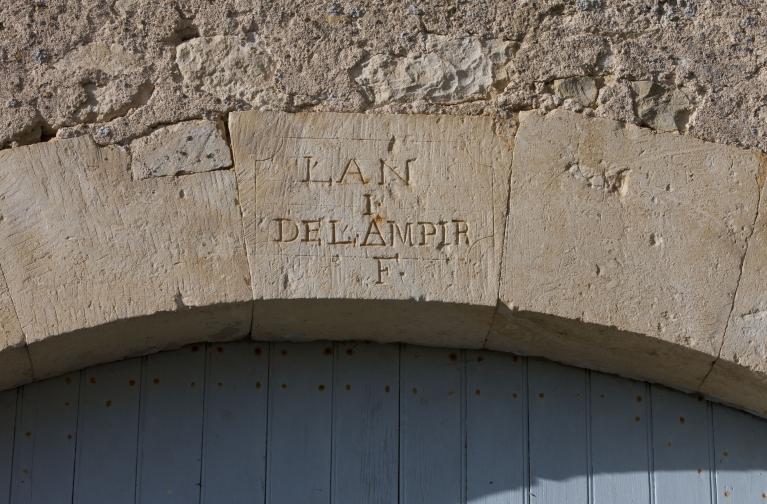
(22, 345)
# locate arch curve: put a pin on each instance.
(581, 240)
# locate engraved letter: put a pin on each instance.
(461, 231)
(443, 234)
(357, 171)
(395, 231)
(382, 269)
(405, 179)
(373, 230)
(369, 202)
(309, 231)
(334, 238)
(308, 172)
(281, 235)
(432, 230)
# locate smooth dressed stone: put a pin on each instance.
(407, 209)
(188, 147)
(100, 266)
(624, 246)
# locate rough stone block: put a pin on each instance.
(448, 70)
(227, 67)
(582, 90)
(636, 233)
(661, 108)
(373, 207)
(188, 147)
(105, 81)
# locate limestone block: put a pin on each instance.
(741, 371)
(83, 245)
(10, 329)
(187, 147)
(582, 90)
(616, 228)
(110, 59)
(448, 70)
(15, 367)
(372, 207)
(110, 78)
(227, 67)
(661, 108)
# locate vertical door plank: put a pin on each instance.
(558, 434)
(619, 440)
(107, 434)
(234, 451)
(681, 448)
(7, 427)
(741, 456)
(46, 428)
(496, 426)
(365, 423)
(432, 428)
(300, 400)
(170, 444)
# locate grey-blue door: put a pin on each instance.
(362, 423)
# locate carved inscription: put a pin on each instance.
(353, 170)
(371, 206)
(379, 233)
(377, 230)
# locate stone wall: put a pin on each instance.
(119, 69)
(143, 207)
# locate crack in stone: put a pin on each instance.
(760, 188)
(507, 205)
(187, 173)
(238, 203)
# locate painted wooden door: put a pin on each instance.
(250, 422)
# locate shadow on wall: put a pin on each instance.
(599, 347)
(360, 422)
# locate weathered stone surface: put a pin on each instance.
(741, 370)
(661, 108)
(11, 334)
(582, 90)
(15, 367)
(350, 206)
(229, 68)
(448, 70)
(188, 147)
(621, 228)
(82, 245)
(110, 82)
(714, 51)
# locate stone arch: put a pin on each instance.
(585, 241)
